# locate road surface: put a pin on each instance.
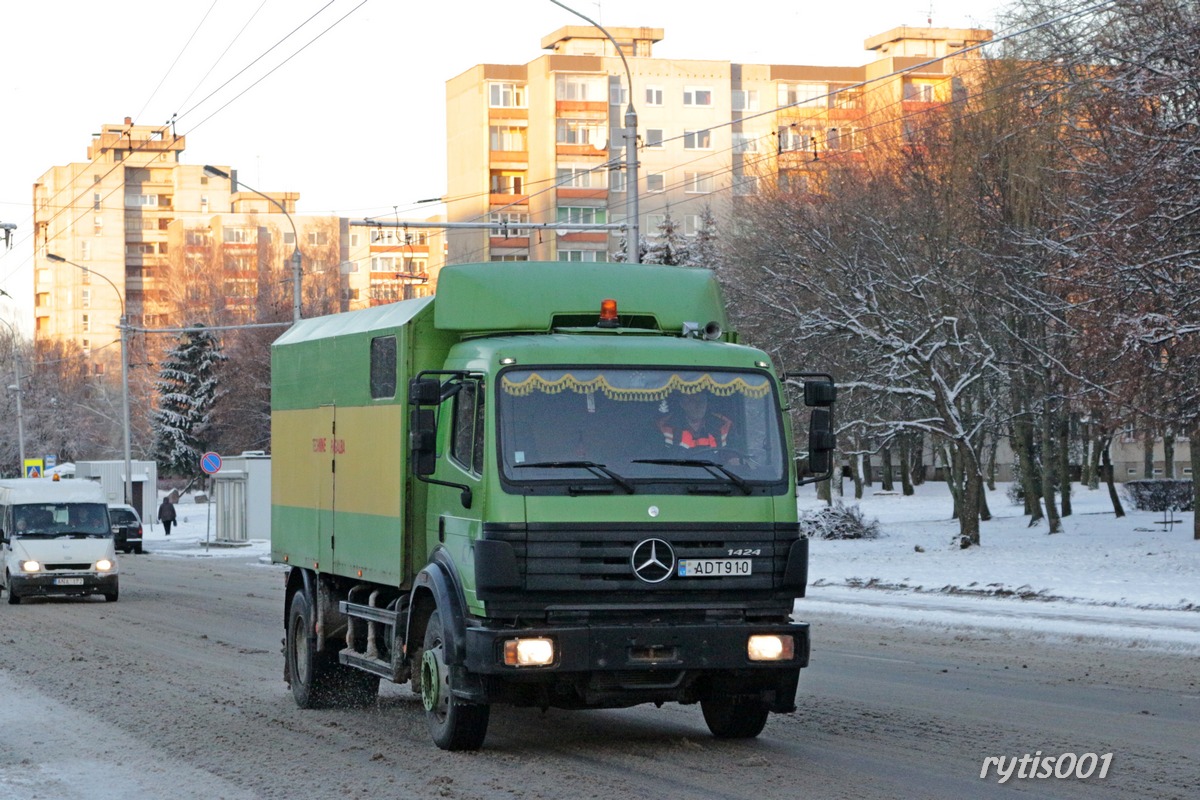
(177, 692)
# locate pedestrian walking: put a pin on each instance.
(166, 515)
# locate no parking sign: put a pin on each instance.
(211, 463)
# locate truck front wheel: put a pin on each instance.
(734, 716)
(317, 679)
(454, 725)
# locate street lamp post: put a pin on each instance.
(124, 328)
(218, 173)
(633, 249)
(16, 387)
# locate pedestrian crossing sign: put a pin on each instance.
(33, 468)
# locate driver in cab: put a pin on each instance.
(691, 425)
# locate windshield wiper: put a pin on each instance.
(733, 477)
(597, 469)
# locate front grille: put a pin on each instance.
(597, 558)
(71, 567)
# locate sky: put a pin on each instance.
(340, 100)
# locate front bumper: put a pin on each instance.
(613, 666)
(49, 583)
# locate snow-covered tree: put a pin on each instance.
(187, 389)
(669, 247)
(704, 251)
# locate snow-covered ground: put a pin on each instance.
(1134, 580)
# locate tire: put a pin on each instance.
(113, 596)
(453, 724)
(14, 599)
(734, 716)
(137, 549)
(316, 678)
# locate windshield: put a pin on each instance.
(56, 519)
(654, 429)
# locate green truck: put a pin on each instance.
(551, 485)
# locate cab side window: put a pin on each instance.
(467, 445)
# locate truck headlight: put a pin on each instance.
(528, 652)
(104, 565)
(30, 566)
(770, 648)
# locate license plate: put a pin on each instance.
(713, 567)
(68, 581)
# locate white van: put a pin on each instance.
(56, 539)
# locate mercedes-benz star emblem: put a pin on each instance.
(653, 560)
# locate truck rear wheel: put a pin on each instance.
(734, 716)
(317, 679)
(454, 725)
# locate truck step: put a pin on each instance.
(370, 613)
(375, 666)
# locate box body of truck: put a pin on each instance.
(56, 539)
(495, 494)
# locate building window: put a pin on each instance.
(654, 138)
(514, 221)
(203, 204)
(317, 238)
(97, 225)
(85, 250)
(507, 182)
(85, 323)
(654, 95)
(692, 224)
(238, 235)
(849, 97)
(509, 258)
(744, 100)
(745, 143)
(618, 94)
(804, 95)
(139, 248)
(697, 140)
(581, 131)
(656, 182)
(699, 182)
(584, 256)
(85, 298)
(580, 177)
(616, 180)
(920, 91)
(354, 239)
(697, 96)
(506, 95)
(96, 201)
(141, 200)
(745, 185)
(585, 88)
(509, 138)
(798, 138)
(792, 182)
(582, 215)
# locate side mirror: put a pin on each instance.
(424, 391)
(422, 440)
(821, 394)
(821, 441)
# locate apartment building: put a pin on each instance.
(543, 142)
(133, 230)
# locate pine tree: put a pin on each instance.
(670, 247)
(187, 390)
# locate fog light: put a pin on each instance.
(770, 648)
(30, 566)
(104, 565)
(528, 652)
